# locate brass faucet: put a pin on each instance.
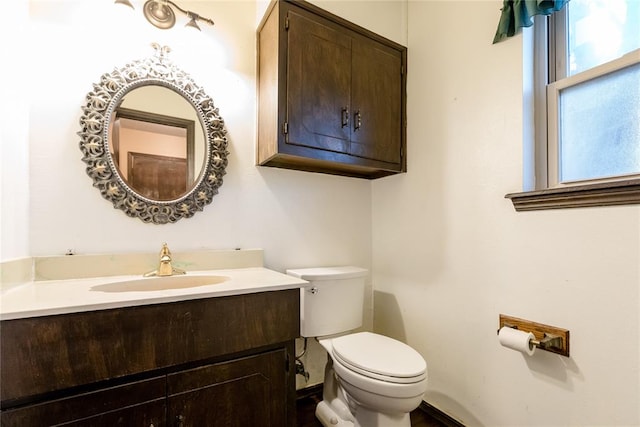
(165, 268)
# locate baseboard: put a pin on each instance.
(311, 391)
(438, 415)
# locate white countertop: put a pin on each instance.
(48, 297)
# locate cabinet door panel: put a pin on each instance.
(145, 415)
(246, 392)
(376, 102)
(137, 404)
(318, 84)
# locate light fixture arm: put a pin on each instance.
(197, 17)
(190, 14)
(160, 14)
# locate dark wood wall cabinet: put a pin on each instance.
(224, 361)
(331, 95)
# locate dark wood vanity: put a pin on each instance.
(224, 361)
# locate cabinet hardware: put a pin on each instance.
(179, 420)
(357, 120)
(285, 128)
(345, 116)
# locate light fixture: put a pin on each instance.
(124, 2)
(161, 15)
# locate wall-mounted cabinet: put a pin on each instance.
(331, 95)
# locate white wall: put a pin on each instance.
(385, 17)
(299, 219)
(14, 144)
(451, 254)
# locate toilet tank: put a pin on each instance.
(333, 301)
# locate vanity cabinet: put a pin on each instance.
(332, 95)
(224, 361)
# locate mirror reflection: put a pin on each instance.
(157, 142)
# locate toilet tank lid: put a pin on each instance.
(328, 273)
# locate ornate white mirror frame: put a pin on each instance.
(98, 112)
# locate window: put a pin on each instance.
(588, 131)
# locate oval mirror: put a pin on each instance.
(154, 144)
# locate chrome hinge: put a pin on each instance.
(286, 22)
(285, 128)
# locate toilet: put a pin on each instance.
(370, 380)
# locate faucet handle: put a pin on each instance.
(165, 251)
(165, 268)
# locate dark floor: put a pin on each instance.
(307, 418)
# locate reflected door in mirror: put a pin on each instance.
(154, 153)
(157, 177)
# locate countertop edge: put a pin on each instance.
(277, 282)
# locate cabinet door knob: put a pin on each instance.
(357, 120)
(345, 116)
(179, 420)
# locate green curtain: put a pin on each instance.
(519, 13)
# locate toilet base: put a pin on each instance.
(337, 409)
(366, 418)
(328, 417)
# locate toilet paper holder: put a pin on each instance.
(546, 343)
(548, 338)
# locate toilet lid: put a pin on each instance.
(379, 357)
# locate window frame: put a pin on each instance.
(549, 33)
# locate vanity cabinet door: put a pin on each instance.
(137, 404)
(251, 391)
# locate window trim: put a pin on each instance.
(612, 193)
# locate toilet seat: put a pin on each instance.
(356, 384)
(379, 357)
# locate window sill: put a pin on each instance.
(601, 194)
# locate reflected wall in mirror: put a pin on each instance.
(154, 144)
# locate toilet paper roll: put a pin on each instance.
(517, 340)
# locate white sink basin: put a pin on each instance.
(160, 283)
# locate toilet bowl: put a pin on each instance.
(370, 380)
(378, 372)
